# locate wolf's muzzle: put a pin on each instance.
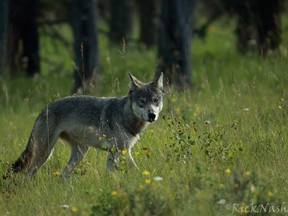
(151, 117)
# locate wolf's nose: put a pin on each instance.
(151, 117)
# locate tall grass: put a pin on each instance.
(218, 149)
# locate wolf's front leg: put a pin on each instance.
(117, 160)
(78, 152)
(131, 159)
(112, 161)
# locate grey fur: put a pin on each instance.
(110, 124)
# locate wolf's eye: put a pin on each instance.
(155, 100)
(142, 101)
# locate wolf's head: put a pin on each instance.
(146, 98)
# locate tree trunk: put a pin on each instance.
(4, 11)
(23, 45)
(147, 12)
(83, 22)
(245, 25)
(174, 42)
(259, 19)
(268, 24)
(120, 20)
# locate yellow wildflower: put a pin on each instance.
(56, 173)
(114, 193)
(247, 173)
(136, 153)
(74, 209)
(146, 173)
(228, 171)
(147, 181)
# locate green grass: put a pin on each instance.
(220, 145)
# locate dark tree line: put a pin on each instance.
(258, 22)
(22, 23)
(170, 21)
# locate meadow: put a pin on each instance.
(220, 148)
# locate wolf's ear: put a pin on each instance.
(134, 82)
(158, 82)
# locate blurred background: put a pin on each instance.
(75, 39)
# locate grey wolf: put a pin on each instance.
(112, 124)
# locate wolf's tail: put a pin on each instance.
(23, 161)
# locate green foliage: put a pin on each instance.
(221, 147)
(188, 141)
(142, 199)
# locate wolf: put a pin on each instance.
(112, 124)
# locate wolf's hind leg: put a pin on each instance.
(77, 154)
(42, 151)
